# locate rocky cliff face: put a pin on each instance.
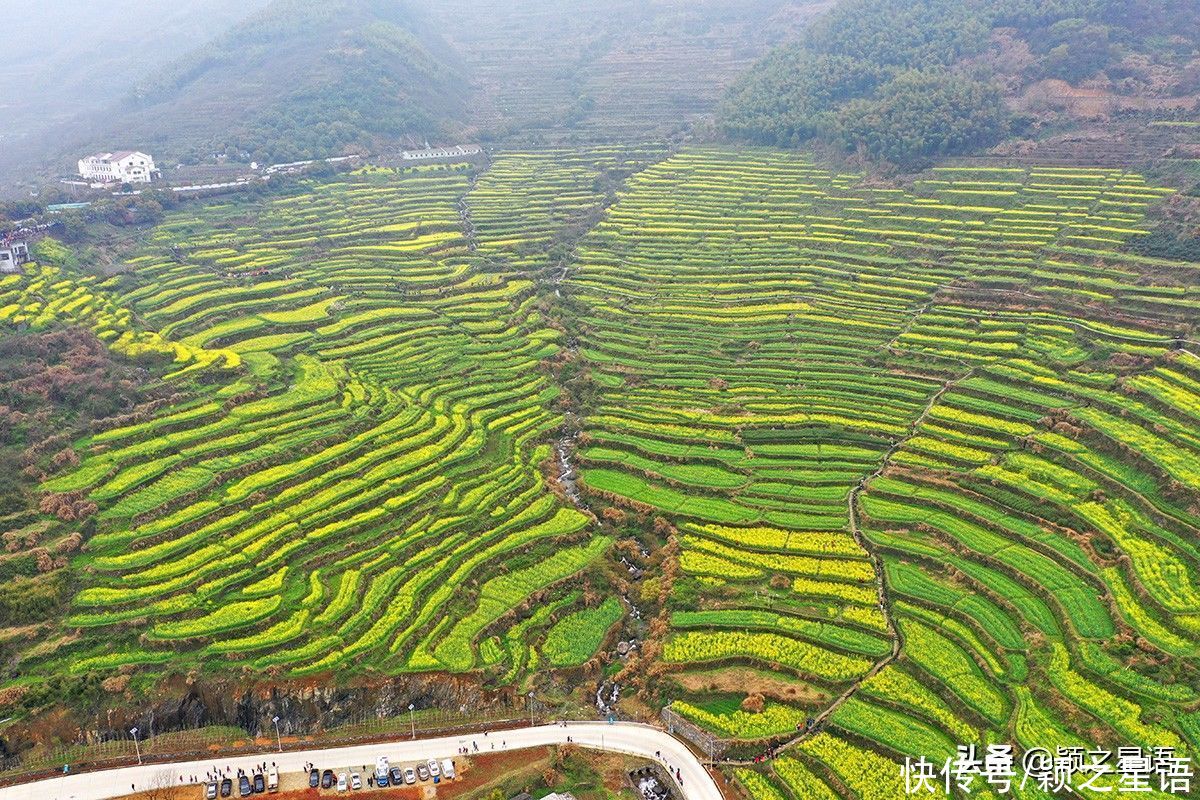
(303, 709)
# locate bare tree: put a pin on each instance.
(161, 786)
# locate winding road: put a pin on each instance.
(629, 738)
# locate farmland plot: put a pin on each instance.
(358, 442)
(973, 377)
(934, 445)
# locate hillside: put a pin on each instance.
(932, 444)
(86, 56)
(296, 80)
(904, 82)
(912, 81)
(834, 416)
(577, 70)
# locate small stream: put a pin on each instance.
(468, 224)
(563, 448)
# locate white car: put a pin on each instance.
(434, 769)
(355, 781)
(381, 770)
(341, 782)
(410, 776)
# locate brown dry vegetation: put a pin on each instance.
(739, 680)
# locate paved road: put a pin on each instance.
(624, 737)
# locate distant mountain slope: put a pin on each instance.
(909, 80)
(562, 69)
(86, 55)
(68, 61)
(296, 80)
(300, 79)
(291, 80)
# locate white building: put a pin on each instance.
(13, 255)
(431, 153)
(125, 166)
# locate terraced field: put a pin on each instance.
(917, 464)
(569, 70)
(964, 390)
(351, 476)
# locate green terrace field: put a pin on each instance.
(966, 390)
(919, 463)
(351, 477)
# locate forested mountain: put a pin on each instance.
(906, 81)
(295, 80)
(901, 80)
(289, 80)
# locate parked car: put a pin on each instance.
(244, 787)
(327, 779)
(396, 775)
(210, 791)
(226, 787)
(448, 768)
(410, 777)
(273, 779)
(422, 772)
(355, 781)
(342, 784)
(381, 780)
(434, 769)
(314, 778)
(260, 783)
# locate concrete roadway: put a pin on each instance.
(623, 737)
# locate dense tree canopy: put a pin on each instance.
(312, 80)
(904, 80)
(919, 114)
